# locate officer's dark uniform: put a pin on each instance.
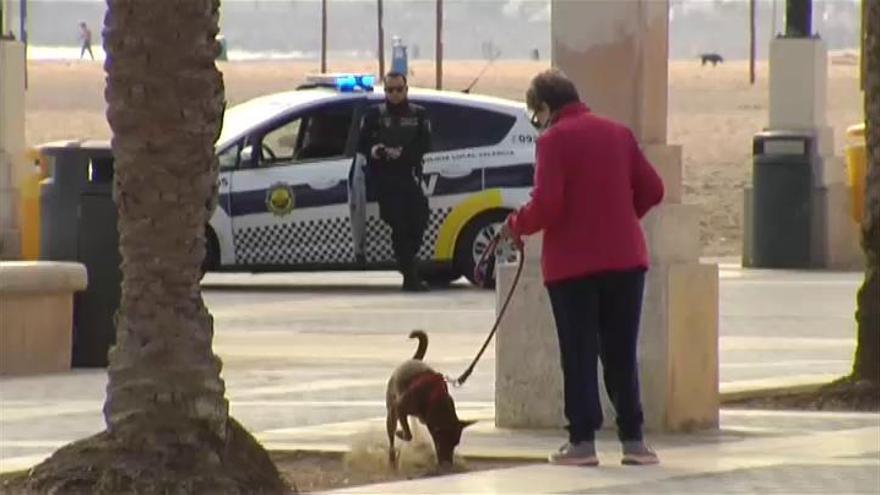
(402, 204)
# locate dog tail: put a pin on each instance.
(423, 343)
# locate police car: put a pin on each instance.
(287, 187)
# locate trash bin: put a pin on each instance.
(856, 169)
(68, 169)
(78, 223)
(98, 249)
(782, 210)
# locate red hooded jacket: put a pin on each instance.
(592, 186)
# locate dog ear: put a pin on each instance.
(465, 424)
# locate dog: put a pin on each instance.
(711, 57)
(415, 389)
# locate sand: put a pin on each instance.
(713, 114)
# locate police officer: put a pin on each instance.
(394, 137)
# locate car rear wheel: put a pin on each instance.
(473, 242)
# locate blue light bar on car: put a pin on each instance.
(343, 82)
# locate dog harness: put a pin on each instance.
(436, 383)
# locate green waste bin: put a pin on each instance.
(782, 209)
(78, 223)
(67, 175)
(98, 250)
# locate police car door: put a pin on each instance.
(290, 208)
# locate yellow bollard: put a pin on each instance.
(29, 211)
(856, 168)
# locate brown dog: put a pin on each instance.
(415, 389)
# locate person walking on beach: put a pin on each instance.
(85, 37)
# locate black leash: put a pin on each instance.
(480, 277)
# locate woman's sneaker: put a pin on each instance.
(575, 454)
(637, 453)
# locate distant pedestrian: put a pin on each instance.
(85, 37)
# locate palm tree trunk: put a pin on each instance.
(866, 365)
(165, 102)
(168, 428)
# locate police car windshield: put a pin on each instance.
(239, 119)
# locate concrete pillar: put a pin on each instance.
(616, 53)
(798, 101)
(12, 144)
(12, 21)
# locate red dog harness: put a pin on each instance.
(436, 383)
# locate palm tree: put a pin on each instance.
(168, 427)
(866, 365)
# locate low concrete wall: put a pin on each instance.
(36, 315)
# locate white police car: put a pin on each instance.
(285, 164)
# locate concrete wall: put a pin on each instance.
(36, 315)
(12, 144)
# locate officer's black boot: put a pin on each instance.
(411, 280)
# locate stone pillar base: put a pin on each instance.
(678, 350)
(10, 235)
(528, 374)
(10, 246)
(839, 234)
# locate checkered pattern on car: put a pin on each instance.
(308, 241)
(325, 241)
(379, 237)
(435, 220)
(378, 240)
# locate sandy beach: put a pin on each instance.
(713, 114)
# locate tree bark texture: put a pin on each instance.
(168, 428)
(165, 101)
(866, 365)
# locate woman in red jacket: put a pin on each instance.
(592, 186)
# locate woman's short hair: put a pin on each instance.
(553, 88)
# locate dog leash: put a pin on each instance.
(480, 272)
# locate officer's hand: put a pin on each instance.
(394, 153)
